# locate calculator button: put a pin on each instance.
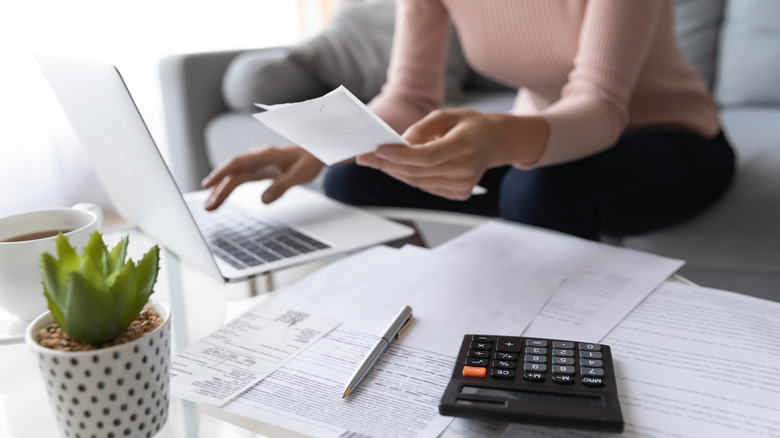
(590, 347)
(563, 353)
(563, 360)
(535, 358)
(593, 381)
(478, 353)
(496, 372)
(483, 338)
(534, 377)
(592, 372)
(511, 345)
(504, 363)
(504, 356)
(564, 345)
(535, 342)
(535, 367)
(535, 350)
(590, 354)
(562, 369)
(595, 363)
(476, 362)
(563, 378)
(481, 345)
(474, 371)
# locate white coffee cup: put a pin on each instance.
(23, 240)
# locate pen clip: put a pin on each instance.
(403, 327)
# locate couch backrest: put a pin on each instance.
(748, 67)
(697, 27)
(735, 44)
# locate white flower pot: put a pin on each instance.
(120, 391)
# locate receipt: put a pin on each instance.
(334, 127)
(218, 368)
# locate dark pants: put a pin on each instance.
(649, 180)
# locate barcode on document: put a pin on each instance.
(349, 434)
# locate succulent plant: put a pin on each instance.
(95, 296)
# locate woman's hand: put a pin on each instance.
(287, 165)
(451, 150)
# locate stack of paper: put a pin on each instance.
(496, 279)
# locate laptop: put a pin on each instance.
(302, 226)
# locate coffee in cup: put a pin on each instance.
(23, 237)
(37, 235)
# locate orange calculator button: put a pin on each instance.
(474, 371)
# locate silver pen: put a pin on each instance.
(392, 332)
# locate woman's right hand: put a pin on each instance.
(286, 165)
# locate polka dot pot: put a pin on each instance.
(114, 392)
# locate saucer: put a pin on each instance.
(11, 329)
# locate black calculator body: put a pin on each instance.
(547, 382)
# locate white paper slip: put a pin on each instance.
(603, 283)
(334, 127)
(243, 352)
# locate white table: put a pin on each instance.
(200, 305)
(24, 407)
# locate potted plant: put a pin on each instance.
(104, 347)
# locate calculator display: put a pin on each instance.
(539, 381)
(532, 396)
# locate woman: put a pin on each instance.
(612, 131)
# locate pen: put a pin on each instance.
(381, 345)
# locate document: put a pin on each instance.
(694, 362)
(399, 397)
(603, 283)
(334, 127)
(451, 295)
(227, 362)
(496, 279)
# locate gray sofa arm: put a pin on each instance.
(192, 95)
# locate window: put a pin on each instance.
(41, 163)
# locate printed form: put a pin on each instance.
(399, 398)
(694, 362)
(227, 362)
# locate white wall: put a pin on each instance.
(41, 162)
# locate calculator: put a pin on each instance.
(547, 382)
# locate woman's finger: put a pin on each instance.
(454, 189)
(302, 170)
(249, 162)
(225, 187)
(450, 168)
(435, 124)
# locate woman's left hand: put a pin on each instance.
(450, 151)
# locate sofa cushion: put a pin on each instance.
(749, 59)
(741, 230)
(697, 27)
(354, 51)
(267, 76)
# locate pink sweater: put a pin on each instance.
(591, 68)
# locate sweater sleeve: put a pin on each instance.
(415, 76)
(615, 39)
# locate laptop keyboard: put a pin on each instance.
(243, 241)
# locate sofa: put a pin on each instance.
(735, 44)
